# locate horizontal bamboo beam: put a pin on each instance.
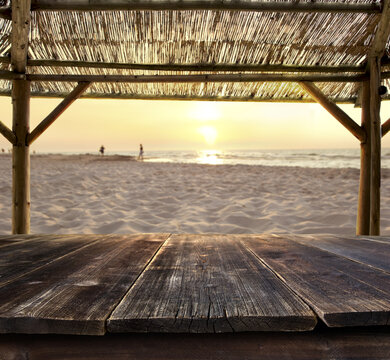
(123, 96)
(5, 13)
(8, 134)
(204, 78)
(334, 110)
(194, 67)
(41, 127)
(385, 127)
(237, 5)
(10, 75)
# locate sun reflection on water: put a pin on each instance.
(210, 157)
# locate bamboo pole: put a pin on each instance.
(7, 133)
(385, 127)
(20, 119)
(21, 158)
(192, 67)
(237, 5)
(206, 78)
(140, 96)
(334, 110)
(364, 200)
(375, 146)
(74, 95)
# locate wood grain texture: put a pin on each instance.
(208, 283)
(334, 344)
(376, 139)
(20, 257)
(340, 291)
(375, 253)
(8, 239)
(364, 199)
(76, 293)
(20, 157)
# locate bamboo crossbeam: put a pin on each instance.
(206, 78)
(385, 127)
(5, 13)
(123, 96)
(334, 110)
(10, 75)
(193, 67)
(7, 133)
(272, 6)
(41, 127)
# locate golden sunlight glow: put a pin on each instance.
(209, 133)
(205, 111)
(210, 157)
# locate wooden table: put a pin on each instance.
(163, 296)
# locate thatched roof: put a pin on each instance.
(205, 38)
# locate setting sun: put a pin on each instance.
(209, 133)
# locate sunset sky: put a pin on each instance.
(187, 125)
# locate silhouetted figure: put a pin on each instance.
(141, 152)
(101, 150)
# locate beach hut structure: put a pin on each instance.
(329, 52)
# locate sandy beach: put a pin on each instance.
(116, 194)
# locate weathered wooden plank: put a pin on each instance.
(7, 239)
(358, 249)
(341, 292)
(76, 293)
(208, 283)
(20, 257)
(324, 344)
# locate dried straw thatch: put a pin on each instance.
(197, 37)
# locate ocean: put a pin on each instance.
(324, 158)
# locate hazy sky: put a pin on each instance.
(168, 125)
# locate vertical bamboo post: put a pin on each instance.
(20, 118)
(375, 145)
(21, 158)
(364, 202)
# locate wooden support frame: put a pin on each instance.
(20, 119)
(385, 127)
(375, 146)
(334, 110)
(205, 78)
(21, 158)
(74, 95)
(364, 199)
(193, 67)
(88, 5)
(7, 133)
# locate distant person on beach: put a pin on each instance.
(141, 152)
(101, 150)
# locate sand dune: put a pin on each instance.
(92, 194)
